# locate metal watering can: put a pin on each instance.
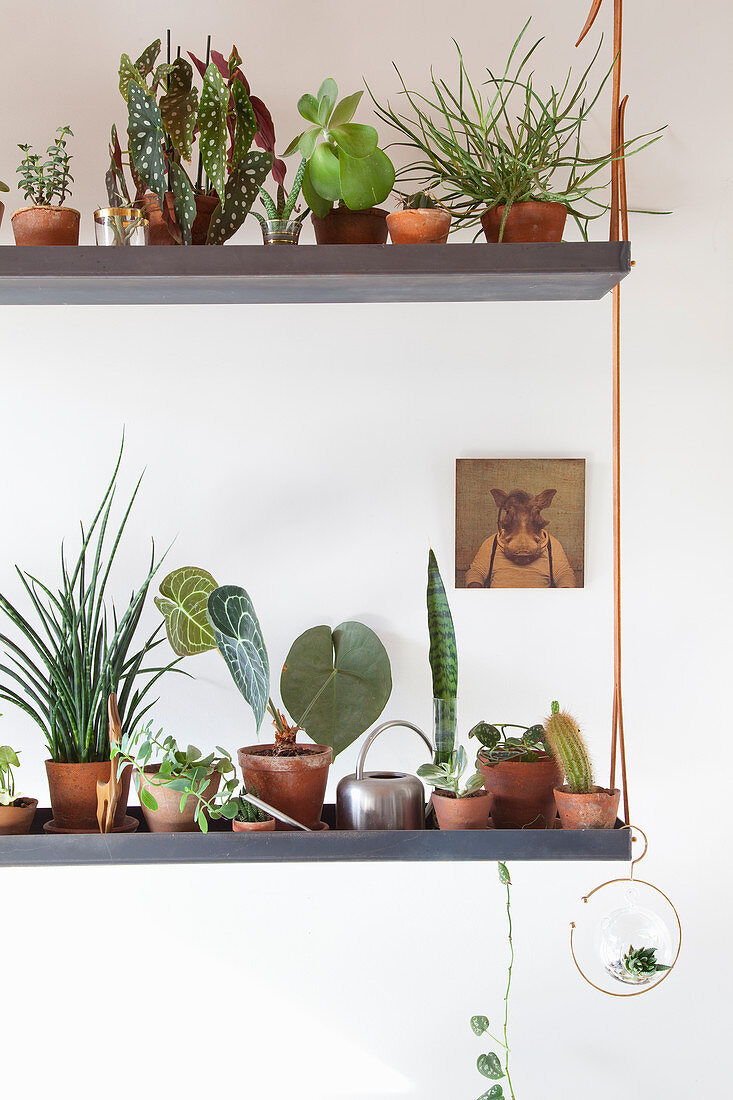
(381, 800)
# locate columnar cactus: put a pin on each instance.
(566, 743)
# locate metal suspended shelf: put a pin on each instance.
(254, 274)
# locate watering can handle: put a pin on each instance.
(376, 732)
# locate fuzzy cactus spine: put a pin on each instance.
(566, 743)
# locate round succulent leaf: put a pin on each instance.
(147, 58)
(308, 108)
(145, 136)
(184, 202)
(239, 638)
(320, 206)
(179, 105)
(327, 96)
(323, 169)
(307, 142)
(184, 594)
(241, 190)
(246, 125)
(365, 181)
(212, 123)
(479, 1024)
(489, 1066)
(354, 138)
(335, 685)
(345, 109)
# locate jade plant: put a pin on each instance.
(334, 683)
(343, 161)
(497, 745)
(565, 742)
(165, 113)
(42, 181)
(443, 658)
(447, 777)
(490, 1065)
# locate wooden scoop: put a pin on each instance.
(108, 794)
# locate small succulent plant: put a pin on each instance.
(239, 808)
(281, 208)
(567, 745)
(641, 962)
(420, 200)
(447, 777)
(42, 181)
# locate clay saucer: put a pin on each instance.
(129, 825)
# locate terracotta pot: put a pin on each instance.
(426, 226)
(73, 789)
(17, 820)
(46, 225)
(294, 784)
(523, 792)
(597, 810)
(527, 223)
(169, 818)
(254, 826)
(205, 207)
(462, 813)
(344, 226)
(158, 232)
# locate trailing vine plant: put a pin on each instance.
(490, 1065)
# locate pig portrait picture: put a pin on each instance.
(520, 523)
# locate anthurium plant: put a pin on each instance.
(343, 161)
(334, 683)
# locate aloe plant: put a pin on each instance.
(334, 684)
(281, 208)
(343, 161)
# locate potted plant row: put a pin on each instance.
(16, 811)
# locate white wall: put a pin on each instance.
(307, 453)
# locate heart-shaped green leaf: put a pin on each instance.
(145, 137)
(489, 1066)
(479, 1024)
(487, 734)
(365, 181)
(496, 1092)
(241, 190)
(335, 685)
(504, 876)
(239, 638)
(212, 122)
(355, 139)
(179, 105)
(324, 172)
(345, 109)
(184, 594)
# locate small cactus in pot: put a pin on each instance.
(421, 220)
(580, 803)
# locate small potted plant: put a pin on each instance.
(16, 811)
(520, 772)
(178, 790)
(280, 227)
(346, 174)
(580, 803)
(456, 806)
(3, 187)
(46, 222)
(421, 220)
(245, 817)
(334, 685)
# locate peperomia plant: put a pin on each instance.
(334, 684)
(489, 1065)
(42, 181)
(497, 746)
(447, 777)
(344, 163)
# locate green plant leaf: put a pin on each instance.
(308, 108)
(320, 206)
(241, 190)
(504, 876)
(128, 72)
(345, 110)
(183, 597)
(239, 638)
(489, 1066)
(475, 783)
(146, 61)
(307, 142)
(487, 734)
(212, 123)
(147, 798)
(443, 652)
(365, 181)
(184, 203)
(479, 1024)
(178, 107)
(327, 96)
(145, 137)
(355, 139)
(496, 1092)
(246, 124)
(294, 144)
(335, 685)
(323, 170)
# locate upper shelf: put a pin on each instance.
(317, 273)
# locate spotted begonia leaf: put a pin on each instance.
(128, 73)
(178, 107)
(161, 73)
(184, 202)
(212, 121)
(246, 127)
(241, 190)
(145, 134)
(147, 58)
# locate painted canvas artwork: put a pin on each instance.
(520, 523)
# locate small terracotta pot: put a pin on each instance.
(17, 820)
(254, 826)
(294, 784)
(344, 226)
(73, 789)
(523, 792)
(169, 818)
(158, 232)
(527, 223)
(462, 813)
(46, 225)
(426, 226)
(597, 810)
(205, 207)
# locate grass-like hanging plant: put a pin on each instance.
(73, 648)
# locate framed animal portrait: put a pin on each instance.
(520, 523)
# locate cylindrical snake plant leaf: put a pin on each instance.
(443, 652)
(239, 638)
(179, 105)
(145, 134)
(335, 685)
(242, 188)
(184, 594)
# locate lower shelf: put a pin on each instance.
(221, 845)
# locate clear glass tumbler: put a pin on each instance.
(121, 226)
